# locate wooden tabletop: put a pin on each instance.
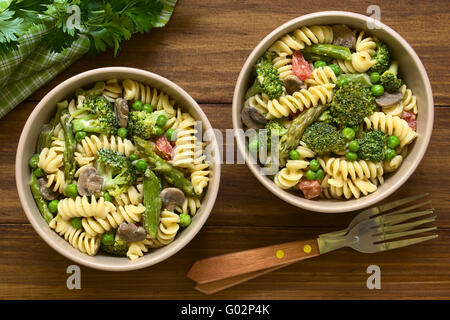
(202, 49)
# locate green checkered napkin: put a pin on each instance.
(25, 70)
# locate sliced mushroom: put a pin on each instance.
(343, 36)
(89, 182)
(389, 99)
(46, 193)
(293, 84)
(253, 118)
(121, 109)
(172, 197)
(131, 232)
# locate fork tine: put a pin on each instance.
(395, 235)
(405, 226)
(395, 219)
(414, 206)
(393, 204)
(403, 243)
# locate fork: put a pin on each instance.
(369, 232)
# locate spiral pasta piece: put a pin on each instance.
(133, 195)
(409, 100)
(304, 36)
(351, 169)
(185, 145)
(58, 145)
(134, 90)
(395, 110)
(362, 58)
(50, 160)
(116, 216)
(284, 66)
(337, 187)
(167, 230)
(258, 101)
(89, 146)
(321, 76)
(56, 181)
(190, 206)
(137, 249)
(81, 207)
(112, 89)
(391, 125)
(300, 100)
(304, 151)
(76, 237)
(290, 176)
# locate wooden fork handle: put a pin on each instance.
(245, 262)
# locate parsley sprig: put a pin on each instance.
(105, 23)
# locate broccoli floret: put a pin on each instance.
(267, 79)
(117, 171)
(326, 117)
(119, 248)
(351, 104)
(274, 127)
(322, 137)
(101, 117)
(389, 78)
(372, 145)
(382, 57)
(143, 124)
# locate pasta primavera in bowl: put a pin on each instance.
(334, 100)
(119, 169)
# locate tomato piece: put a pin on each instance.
(410, 118)
(300, 67)
(310, 189)
(163, 147)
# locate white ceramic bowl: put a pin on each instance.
(26, 148)
(411, 69)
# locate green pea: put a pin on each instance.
(351, 156)
(185, 220)
(377, 90)
(71, 190)
(34, 161)
(353, 146)
(161, 120)
(310, 175)
(107, 196)
(80, 135)
(342, 82)
(314, 165)
(294, 155)
(319, 64)
(122, 132)
(159, 131)
(348, 133)
(76, 223)
(108, 238)
(335, 69)
(319, 174)
(53, 206)
(38, 173)
(253, 146)
(171, 134)
(374, 77)
(141, 165)
(137, 106)
(393, 142)
(133, 157)
(389, 154)
(148, 108)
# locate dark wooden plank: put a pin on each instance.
(240, 187)
(30, 269)
(206, 42)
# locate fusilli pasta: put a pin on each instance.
(81, 207)
(89, 146)
(290, 176)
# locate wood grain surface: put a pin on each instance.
(202, 49)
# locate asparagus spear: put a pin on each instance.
(360, 78)
(328, 50)
(173, 176)
(296, 128)
(45, 137)
(152, 203)
(69, 150)
(40, 201)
